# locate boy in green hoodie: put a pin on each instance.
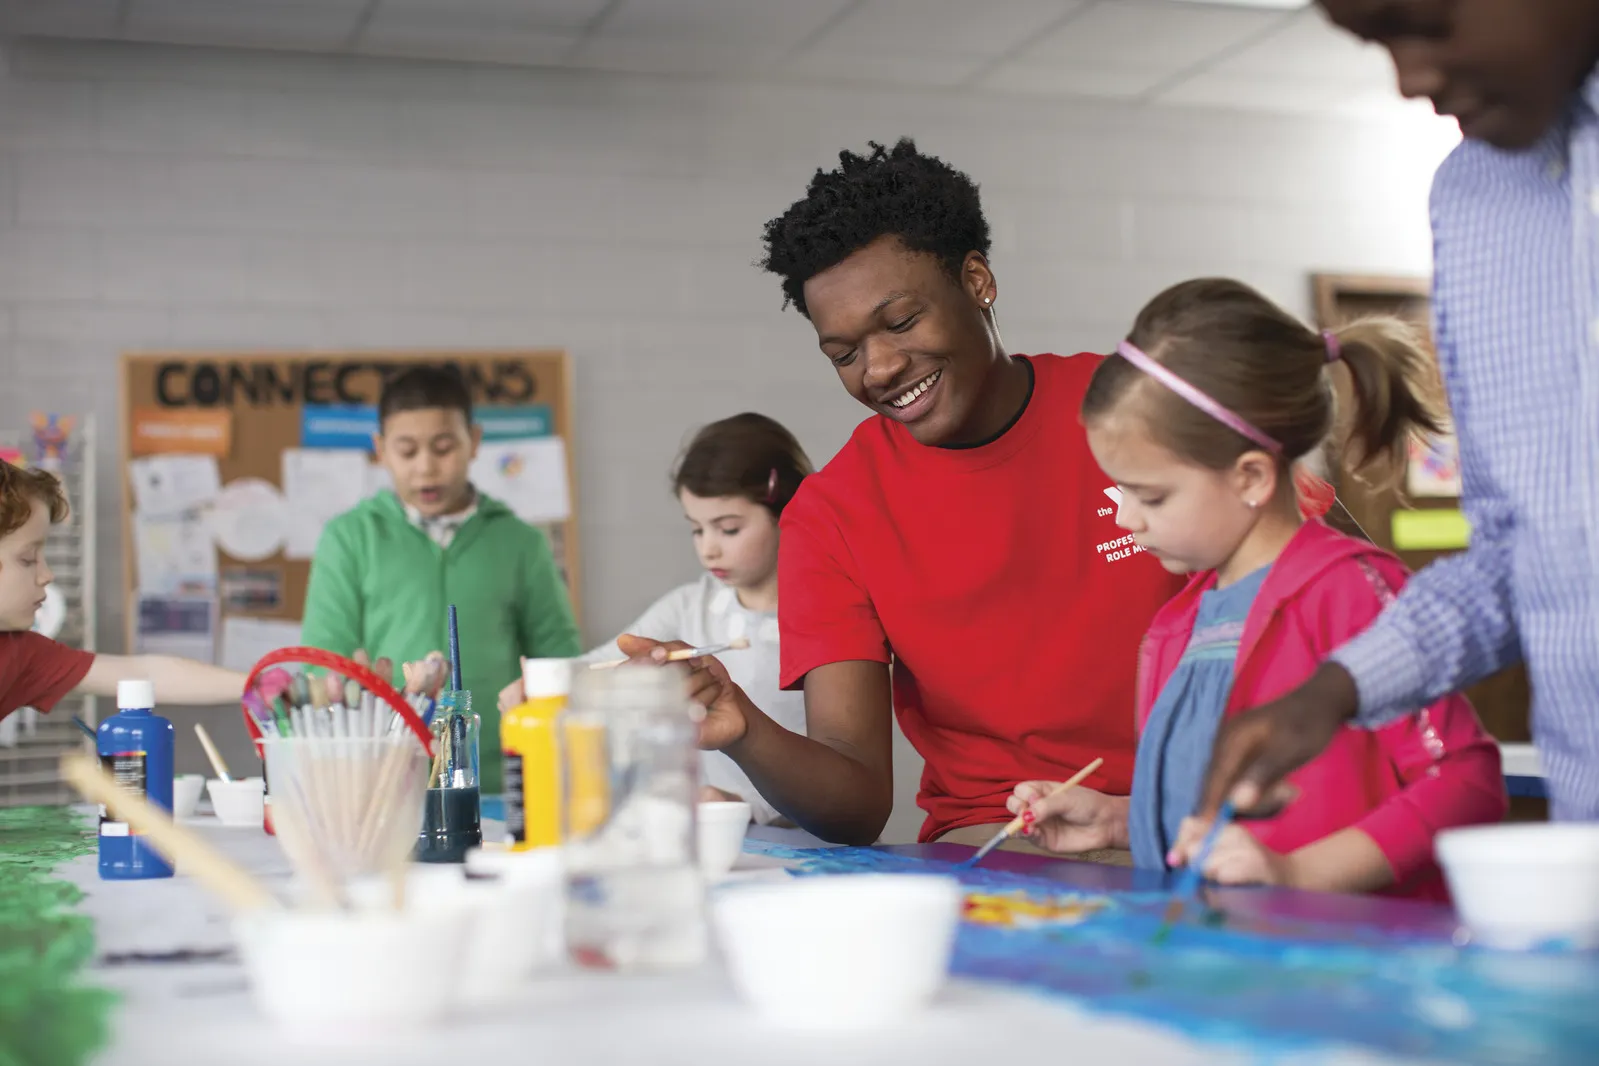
(385, 571)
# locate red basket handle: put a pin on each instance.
(379, 686)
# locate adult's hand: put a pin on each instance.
(1255, 750)
(727, 708)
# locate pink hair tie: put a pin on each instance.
(1335, 350)
(771, 486)
(1188, 392)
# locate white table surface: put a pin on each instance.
(177, 1014)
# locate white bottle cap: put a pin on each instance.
(544, 678)
(137, 695)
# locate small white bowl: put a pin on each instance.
(186, 789)
(1518, 885)
(722, 826)
(240, 802)
(352, 976)
(507, 934)
(541, 873)
(839, 952)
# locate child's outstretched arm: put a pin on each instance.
(182, 681)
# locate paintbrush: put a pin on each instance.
(87, 729)
(455, 652)
(1015, 825)
(736, 644)
(212, 753)
(1192, 876)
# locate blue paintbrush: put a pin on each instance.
(455, 652)
(81, 724)
(1192, 876)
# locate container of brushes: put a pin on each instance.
(452, 822)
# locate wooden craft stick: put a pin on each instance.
(212, 753)
(180, 847)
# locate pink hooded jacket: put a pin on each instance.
(1400, 784)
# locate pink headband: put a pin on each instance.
(1335, 350)
(1182, 388)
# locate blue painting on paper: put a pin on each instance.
(1265, 986)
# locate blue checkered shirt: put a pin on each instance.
(1516, 306)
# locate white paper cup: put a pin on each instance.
(1519, 885)
(722, 826)
(186, 789)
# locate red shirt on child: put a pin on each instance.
(996, 581)
(36, 671)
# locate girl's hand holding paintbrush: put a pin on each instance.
(1236, 857)
(1071, 822)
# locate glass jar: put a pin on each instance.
(452, 820)
(630, 774)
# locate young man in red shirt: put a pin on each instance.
(36, 671)
(958, 562)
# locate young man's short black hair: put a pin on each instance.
(928, 204)
(422, 387)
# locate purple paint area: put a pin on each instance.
(1270, 972)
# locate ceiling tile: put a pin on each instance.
(1074, 79)
(63, 18)
(558, 16)
(879, 28)
(1308, 47)
(312, 25)
(766, 24)
(466, 44)
(898, 70)
(1214, 89)
(1150, 34)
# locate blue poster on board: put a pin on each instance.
(338, 426)
(515, 423)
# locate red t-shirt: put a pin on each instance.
(996, 581)
(36, 671)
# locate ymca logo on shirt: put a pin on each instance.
(1122, 547)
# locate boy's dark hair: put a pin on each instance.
(928, 204)
(748, 455)
(21, 489)
(424, 386)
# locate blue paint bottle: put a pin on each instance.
(135, 747)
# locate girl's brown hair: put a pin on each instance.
(21, 489)
(1263, 364)
(748, 455)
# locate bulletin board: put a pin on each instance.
(246, 410)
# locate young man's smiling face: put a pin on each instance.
(907, 340)
(1503, 68)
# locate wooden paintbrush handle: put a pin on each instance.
(181, 847)
(212, 753)
(1020, 820)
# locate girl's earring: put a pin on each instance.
(988, 300)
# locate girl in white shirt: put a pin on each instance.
(733, 481)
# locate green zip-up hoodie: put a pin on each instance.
(380, 583)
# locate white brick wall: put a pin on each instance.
(160, 197)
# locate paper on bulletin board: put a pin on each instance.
(176, 625)
(318, 485)
(1433, 468)
(174, 554)
(1431, 530)
(169, 484)
(528, 476)
(250, 588)
(245, 641)
(378, 479)
(249, 519)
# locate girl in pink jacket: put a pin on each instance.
(1199, 419)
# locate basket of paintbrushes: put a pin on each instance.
(346, 761)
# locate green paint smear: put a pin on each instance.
(47, 1017)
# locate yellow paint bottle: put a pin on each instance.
(532, 755)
